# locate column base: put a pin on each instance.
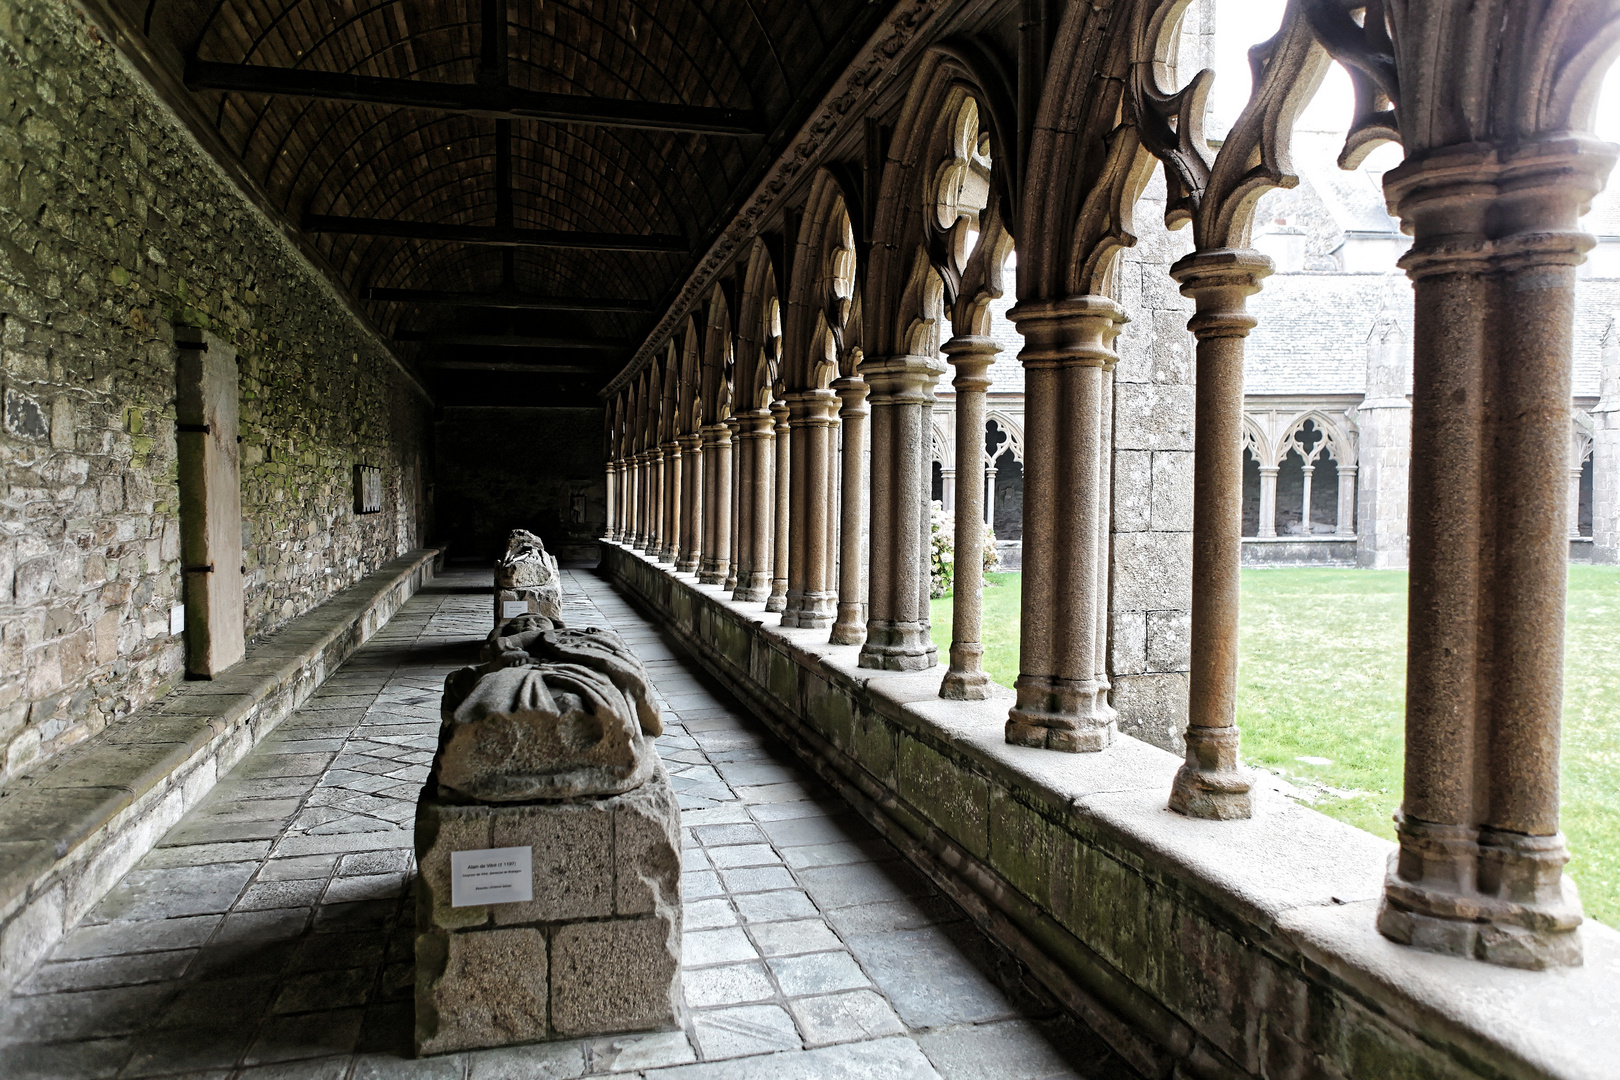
(811, 611)
(966, 680)
(752, 588)
(730, 583)
(850, 627)
(667, 554)
(1071, 715)
(897, 646)
(712, 573)
(687, 566)
(1211, 784)
(1482, 893)
(777, 601)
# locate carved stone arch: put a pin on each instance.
(1335, 442)
(1015, 434)
(717, 358)
(655, 400)
(919, 316)
(826, 277)
(943, 450)
(1254, 439)
(906, 220)
(756, 333)
(670, 407)
(691, 368)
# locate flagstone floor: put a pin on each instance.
(269, 934)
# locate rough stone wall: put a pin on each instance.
(538, 469)
(1150, 582)
(115, 226)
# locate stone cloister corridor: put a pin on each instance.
(467, 535)
(269, 933)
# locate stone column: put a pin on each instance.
(1068, 351)
(897, 622)
(1384, 421)
(1268, 501)
(989, 490)
(755, 462)
(972, 356)
(780, 519)
(1606, 455)
(612, 500)
(850, 627)
(1495, 245)
(670, 548)
(638, 500)
(1306, 473)
(811, 598)
(734, 524)
(716, 561)
(1211, 784)
(1346, 525)
(1575, 491)
(655, 502)
(693, 486)
(947, 492)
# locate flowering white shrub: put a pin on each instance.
(942, 551)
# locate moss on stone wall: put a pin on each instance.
(115, 226)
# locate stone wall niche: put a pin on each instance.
(546, 757)
(210, 501)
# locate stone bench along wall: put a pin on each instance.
(1223, 949)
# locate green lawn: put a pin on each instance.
(1322, 677)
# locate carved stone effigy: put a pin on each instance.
(548, 843)
(527, 580)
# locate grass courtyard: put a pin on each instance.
(1320, 688)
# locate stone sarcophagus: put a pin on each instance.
(548, 843)
(527, 580)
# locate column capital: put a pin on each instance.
(1477, 207)
(690, 441)
(1220, 281)
(1078, 331)
(811, 407)
(756, 423)
(971, 355)
(716, 434)
(903, 380)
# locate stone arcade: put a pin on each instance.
(304, 306)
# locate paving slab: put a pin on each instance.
(269, 935)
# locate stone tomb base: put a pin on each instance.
(536, 600)
(597, 951)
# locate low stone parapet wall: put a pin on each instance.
(1299, 551)
(1197, 948)
(71, 829)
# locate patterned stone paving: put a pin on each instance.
(268, 936)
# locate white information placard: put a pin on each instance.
(511, 609)
(491, 876)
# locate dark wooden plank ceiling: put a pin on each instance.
(597, 161)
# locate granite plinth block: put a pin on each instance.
(596, 951)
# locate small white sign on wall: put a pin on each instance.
(491, 876)
(177, 619)
(511, 609)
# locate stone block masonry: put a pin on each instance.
(595, 951)
(116, 227)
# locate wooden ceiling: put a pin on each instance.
(510, 189)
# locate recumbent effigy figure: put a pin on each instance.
(527, 580)
(546, 772)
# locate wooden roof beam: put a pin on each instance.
(506, 301)
(510, 341)
(499, 101)
(494, 235)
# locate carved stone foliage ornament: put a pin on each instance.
(551, 713)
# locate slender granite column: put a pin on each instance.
(850, 627)
(897, 624)
(670, 548)
(1495, 245)
(716, 559)
(755, 462)
(811, 600)
(734, 517)
(612, 533)
(1346, 524)
(1268, 501)
(780, 518)
(638, 537)
(1211, 784)
(1067, 354)
(693, 488)
(972, 356)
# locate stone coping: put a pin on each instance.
(70, 829)
(1300, 887)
